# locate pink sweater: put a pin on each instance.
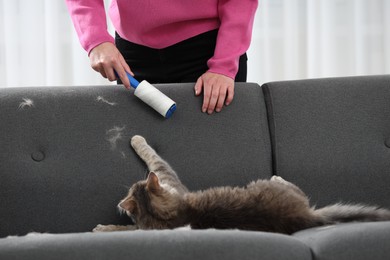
(161, 23)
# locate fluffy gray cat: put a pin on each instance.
(163, 202)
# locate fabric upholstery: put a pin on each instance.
(357, 241)
(66, 160)
(330, 137)
(207, 244)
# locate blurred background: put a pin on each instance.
(292, 39)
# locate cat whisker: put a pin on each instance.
(124, 186)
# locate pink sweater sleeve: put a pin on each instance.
(234, 35)
(89, 20)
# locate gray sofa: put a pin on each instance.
(65, 162)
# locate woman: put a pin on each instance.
(170, 41)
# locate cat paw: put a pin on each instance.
(103, 228)
(137, 140)
(110, 228)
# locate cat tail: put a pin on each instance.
(349, 213)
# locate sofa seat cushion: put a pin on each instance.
(348, 241)
(168, 244)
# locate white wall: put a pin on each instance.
(292, 39)
(296, 39)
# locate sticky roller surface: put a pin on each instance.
(155, 98)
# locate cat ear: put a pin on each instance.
(128, 205)
(152, 182)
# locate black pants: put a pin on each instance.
(185, 61)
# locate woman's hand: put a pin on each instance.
(105, 58)
(218, 90)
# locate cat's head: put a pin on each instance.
(152, 205)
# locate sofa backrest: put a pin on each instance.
(332, 137)
(65, 159)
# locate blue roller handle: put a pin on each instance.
(133, 82)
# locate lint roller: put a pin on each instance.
(153, 97)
